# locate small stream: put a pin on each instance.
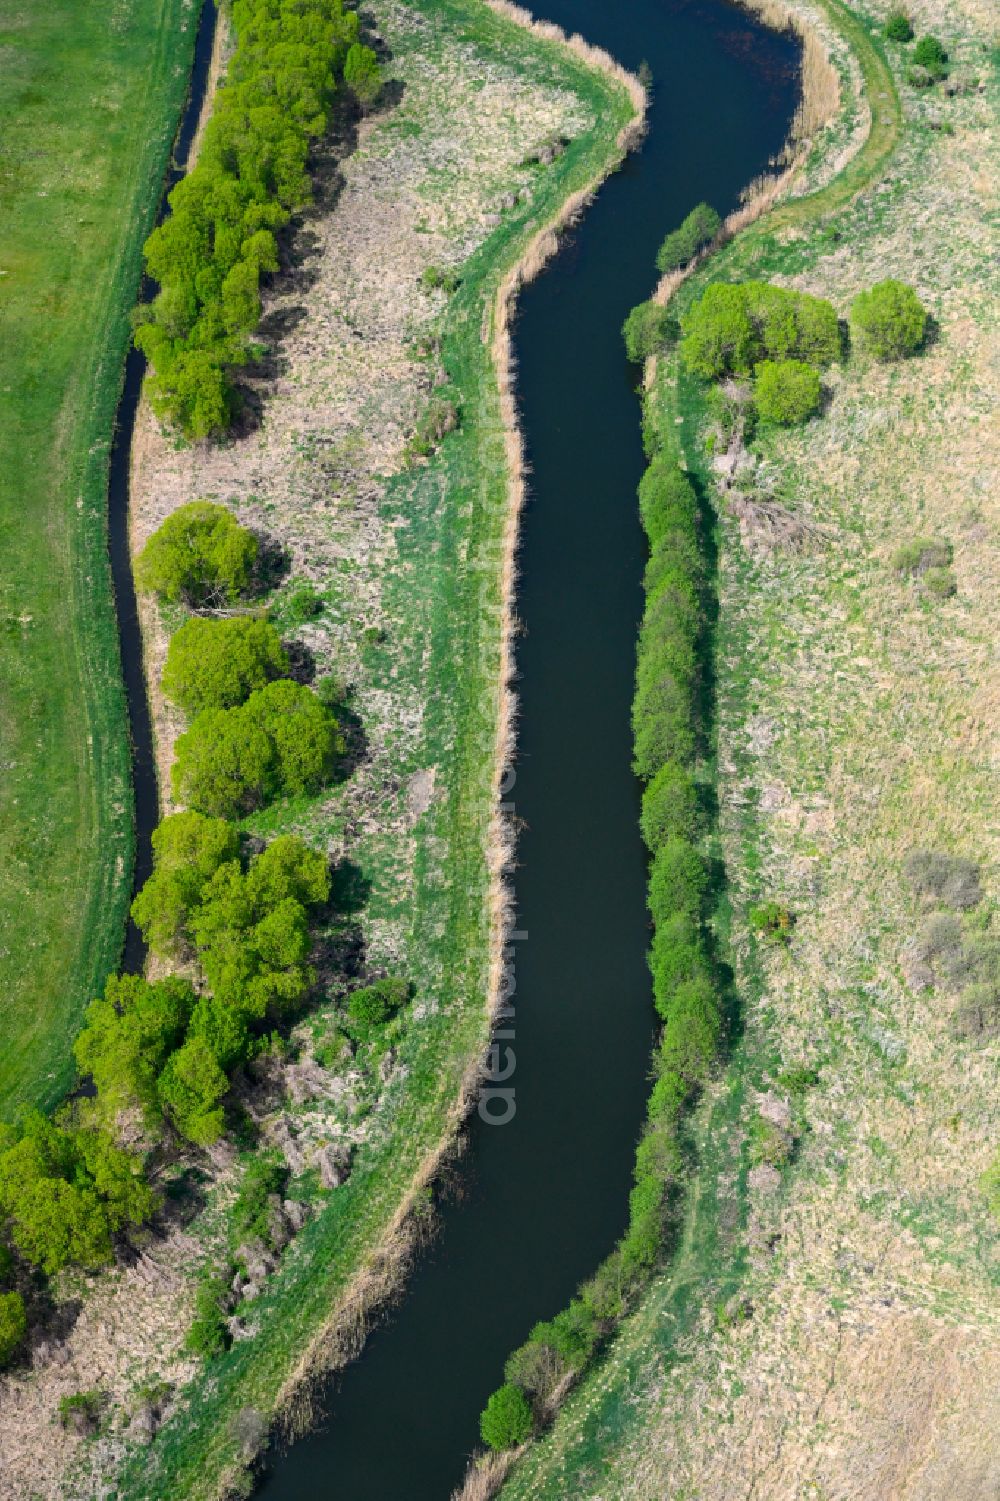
(129, 631)
(545, 1197)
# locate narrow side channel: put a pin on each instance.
(129, 630)
(545, 1196)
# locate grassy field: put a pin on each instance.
(832, 1331)
(90, 95)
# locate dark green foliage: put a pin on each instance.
(439, 418)
(677, 881)
(647, 329)
(217, 664)
(210, 253)
(303, 604)
(127, 1038)
(188, 849)
(191, 1089)
(920, 554)
(948, 879)
(786, 391)
(506, 1420)
(889, 321)
(930, 55)
(280, 742)
(377, 1003)
(208, 1334)
(669, 806)
(252, 1214)
(698, 230)
(362, 75)
(201, 555)
(13, 1326)
(733, 327)
(897, 27)
(773, 922)
(667, 502)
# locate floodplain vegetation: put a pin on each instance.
(823, 1320)
(266, 1103)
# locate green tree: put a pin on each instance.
(13, 1326)
(191, 1088)
(362, 75)
(669, 806)
(216, 664)
(375, 1004)
(696, 231)
(127, 1037)
(677, 881)
(898, 27)
(646, 331)
(930, 54)
(889, 321)
(734, 326)
(188, 848)
(506, 1419)
(200, 554)
(786, 391)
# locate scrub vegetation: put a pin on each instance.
(90, 97)
(824, 1321)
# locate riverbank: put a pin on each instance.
(485, 146)
(92, 108)
(826, 1326)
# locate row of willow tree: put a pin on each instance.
(251, 177)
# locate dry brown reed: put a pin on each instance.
(485, 1476)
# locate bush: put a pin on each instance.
(669, 806)
(440, 417)
(888, 321)
(201, 555)
(662, 725)
(208, 1334)
(216, 664)
(666, 501)
(897, 27)
(930, 55)
(506, 1420)
(677, 956)
(920, 554)
(362, 75)
(282, 741)
(13, 1326)
(732, 328)
(253, 1212)
(303, 604)
(698, 230)
(772, 922)
(786, 391)
(191, 1088)
(646, 331)
(940, 582)
(378, 1003)
(677, 881)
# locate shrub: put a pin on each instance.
(646, 331)
(191, 1088)
(897, 27)
(696, 231)
(506, 1420)
(440, 417)
(888, 321)
(666, 501)
(282, 741)
(677, 881)
(208, 1335)
(930, 54)
(201, 555)
(772, 922)
(949, 879)
(303, 604)
(253, 1212)
(676, 957)
(13, 1326)
(786, 391)
(731, 328)
(81, 1411)
(662, 725)
(362, 75)
(669, 806)
(940, 582)
(377, 1003)
(916, 556)
(216, 664)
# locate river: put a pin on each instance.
(544, 1198)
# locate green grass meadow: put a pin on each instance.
(90, 94)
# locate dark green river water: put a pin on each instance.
(545, 1197)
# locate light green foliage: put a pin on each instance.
(698, 230)
(201, 555)
(646, 330)
(667, 502)
(786, 391)
(921, 553)
(252, 1213)
(377, 1003)
(281, 741)
(216, 664)
(990, 1185)
(362, 75)
(128, 1036)
(188, 849)
(191, 1088)
(251, 175)
(676, 881)
(669, 806)
(506, 1419)
(930, 55)
(733, 326)
(676, 957)
(773, 922)
(898, 27)
(13, 1326)
(889, 321)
